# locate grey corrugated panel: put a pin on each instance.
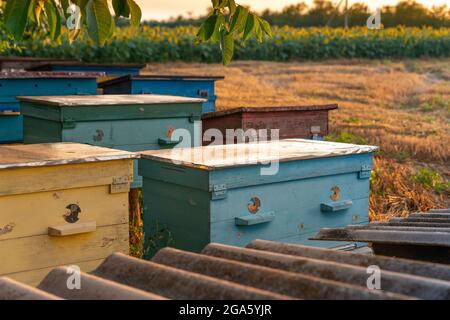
(413, 267)
(423, 218)
(394, 282)
(175, 283)
(440, 210)
(263, 270)
(423, 238)
(442, 215)
(411, 224)
(420, 236)
(288, 283)
(92, 288)
(397, 228)
(13, 290)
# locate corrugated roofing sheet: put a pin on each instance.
(422, 236)
(263, 270)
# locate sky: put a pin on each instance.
(164, 9)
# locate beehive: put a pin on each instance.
(14, 84)
(61, 204)
(307, 122)
(185, 86)
(230, 194)
(125, 122)
(22, 63)
(74, 66)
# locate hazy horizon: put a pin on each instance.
(165, 9)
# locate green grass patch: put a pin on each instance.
(347, 137)
(431, 180)
(352, 120)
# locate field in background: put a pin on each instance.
(403, 107)
(162, 44)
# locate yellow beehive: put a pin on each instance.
(61, 204)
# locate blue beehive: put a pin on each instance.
(229, 194)
(22, 63)
(185, 86)
(14, 84)
(108, 69)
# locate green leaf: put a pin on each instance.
(232, 7)
(121, 8)
(99, 20)
(250, 27)
(223, 4)
(215, 37)
(136, 13)
(113, 28)
(15, 17)
(31, 13)
(207, 28)
(215, 3)
(239, 19)
(258, 31)
(266, 27)
(227, 47)
(64, 5)
(53, 19)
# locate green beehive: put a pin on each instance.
(124, 122)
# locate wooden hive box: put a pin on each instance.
(61, 204)
(185, 86)
(22, 63)
(14, 84)
(224, 194)
(307, 122)
(76, 66)
(125, 122)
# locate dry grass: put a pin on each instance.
(403, 107)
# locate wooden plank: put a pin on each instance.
(53, 154)
(224, 156)
(34, 277)
(38, 252)
(32, 214)
(71, 176)
(72, 229)
(110, 100)
(242, 110)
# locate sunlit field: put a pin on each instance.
(401, 106)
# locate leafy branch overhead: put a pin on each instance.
(51, 15)
(227, 22)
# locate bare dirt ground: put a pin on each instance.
(401, 106)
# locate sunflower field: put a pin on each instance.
(160, 44)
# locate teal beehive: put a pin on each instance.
(14, 84)
(124, 122)
(282, 190)
(78, 66)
